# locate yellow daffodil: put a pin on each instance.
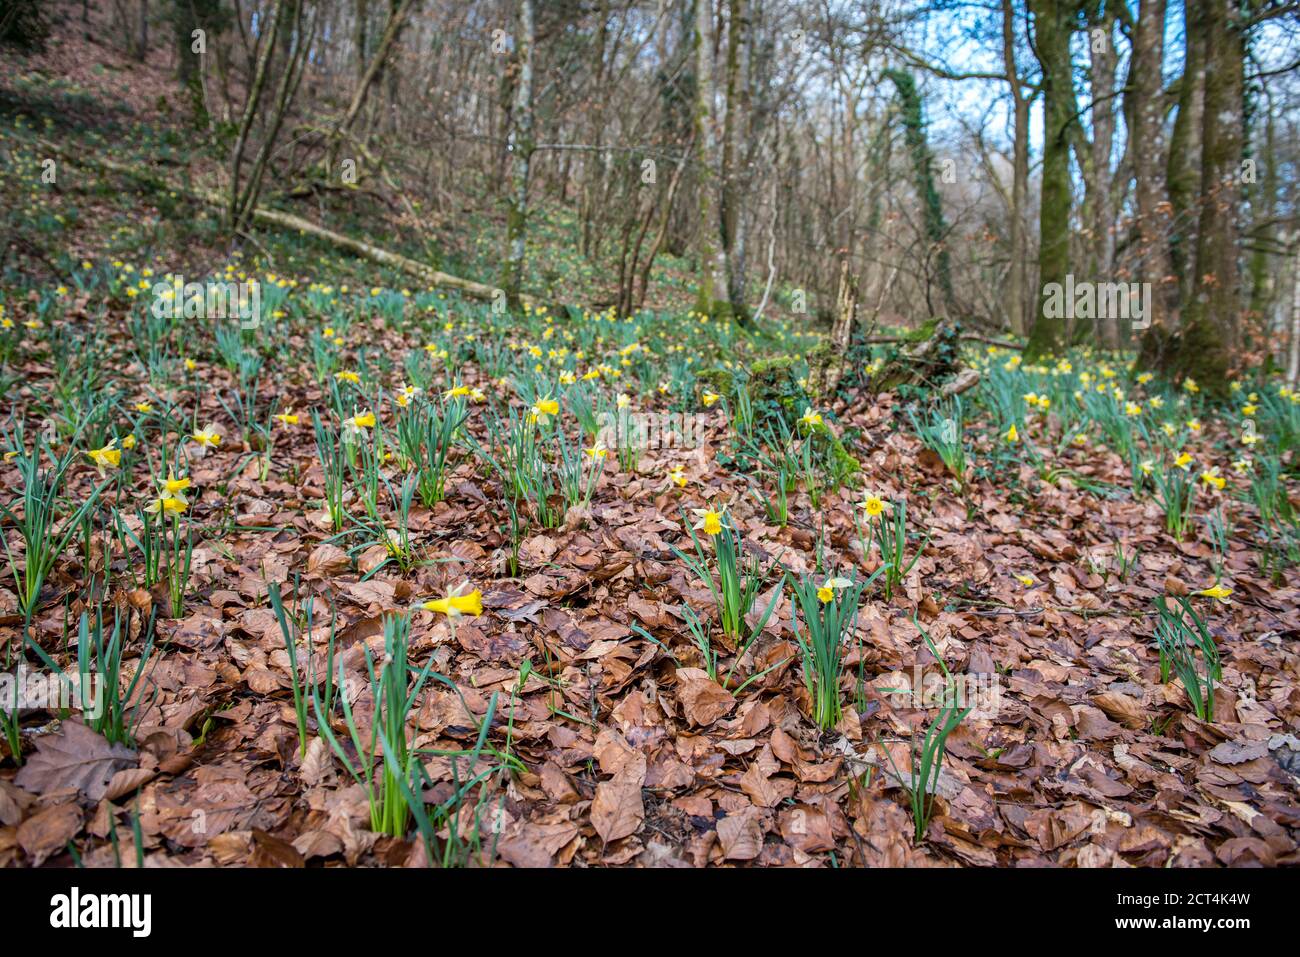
(709, 398)
(543, 409)
(346, 375)
(190, 365)
(456, 604)
(1026, 580)
(677, 477)
(456, 391)
(110, 456)
(144, 408)
(623, 401)
(873, 504)
(567, 378)
(172, 487)
(166, 506)
(1011, 434)
(597, 452)
(1189, 385)
(826, 592)
(128, 440)
(1132, 409)
(207, 438)
(1183, 461)
(287, 418)
(362, 420)
(811, 418)
(1219, 593)
(709, 520)
(1212, 477)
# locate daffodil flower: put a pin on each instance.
(456, 391)
(1011, 434)
(1219, 593)
(567, 378)
(347, 376)
(166, 506)
(362, 420)
(677, 476)
(110, 456)
(544, 409)
(1026, 580)
(144, 408)
(1212, 477)
(173, 488)
(826, 592)
(456, 604)
(1183, 461)
(872, 504)
(811, 418)
(287, 418)
(208, 438)
(597, 451)
(709, 398)
(709, 520)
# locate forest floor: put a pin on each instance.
(572, 710)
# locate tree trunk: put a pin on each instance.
(713, 279)
(1101, 219)
(1017, 280)
(1145, 112)
(734, 180)
(520, 145)
(1216, 288)
(1052, 29)
(1183, 171)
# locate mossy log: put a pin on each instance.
(929, 355)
